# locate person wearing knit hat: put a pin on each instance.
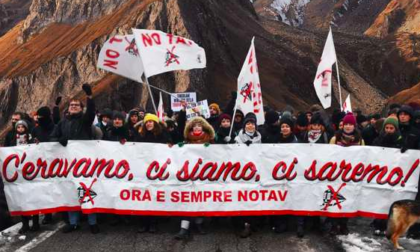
(409, 133)
(316, 131)
(286, 130)
(348, 136)
(371, 132)
(222, 134)
(248, 135)
(214, 116)
(105, 119)
(270, 131)
(301, 128)
(197, 131)
(152, 131)
(238, 121)
(214, 109)
(132, 120)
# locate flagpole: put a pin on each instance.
(151, 95)
(232, 121)
(339, 85)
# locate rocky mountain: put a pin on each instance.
(54, 50)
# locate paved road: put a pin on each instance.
(222, 237)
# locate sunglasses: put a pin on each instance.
(74, 105)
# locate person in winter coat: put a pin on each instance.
(77, 126)
(197, 131)
(286, 131)
(22, 137)
(270, 131)
(389, 137)
(17, 116)
(214, 115)
(301, 128)
(133, 119)
(348, 136)
(151, 131)
(248, 135)
(222, 135)
(173, 132)
(409, 133)
(117, 132)
(316, 131)
(238, 121)
(41, 134)
(105, 120)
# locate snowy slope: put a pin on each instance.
(290, 11)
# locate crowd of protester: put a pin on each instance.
(398, 127)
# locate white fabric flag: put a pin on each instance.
(249, 88)
(120, 55)
(322, 82)
(347, 105)
(160, 112)
(162, 52)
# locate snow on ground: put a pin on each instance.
(290, 8)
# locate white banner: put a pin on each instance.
(176, 102)
(322, 82)
(220, 180)
(119, 55)
(195, 109)
(162, 52)
(249, 87)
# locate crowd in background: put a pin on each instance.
(398, 127)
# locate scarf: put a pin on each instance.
(314, 135)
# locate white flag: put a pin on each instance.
(119, 55)
(162, 52)
(347, 105)
(249, 88)
(322, 82)
(160, 111)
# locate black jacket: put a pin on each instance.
(269, 133)
(369, 134)
(42, 134)
(76, 127)
(116, 134)
(411, 137)
(222, 133)
(390, 141)
(8, 141)
(149, 137)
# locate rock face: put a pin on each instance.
(55, 49)
(11, 12)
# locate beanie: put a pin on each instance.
(349, 119)
(223, 117)
(317, 119)
(287, 120)
(250, 117)
(21, 122)
(406, 109)
(216, 107)
(118, 115)
(44, 112)
(390, 120)
(151, 117)
(271, 117)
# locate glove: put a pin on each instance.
(248, 143)
(206, 144)
(227, 139)
(63, 141)
(123, 141)
(87, 89)
(180, 144)
(403, 149)
(36, 141)
(58, 101)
